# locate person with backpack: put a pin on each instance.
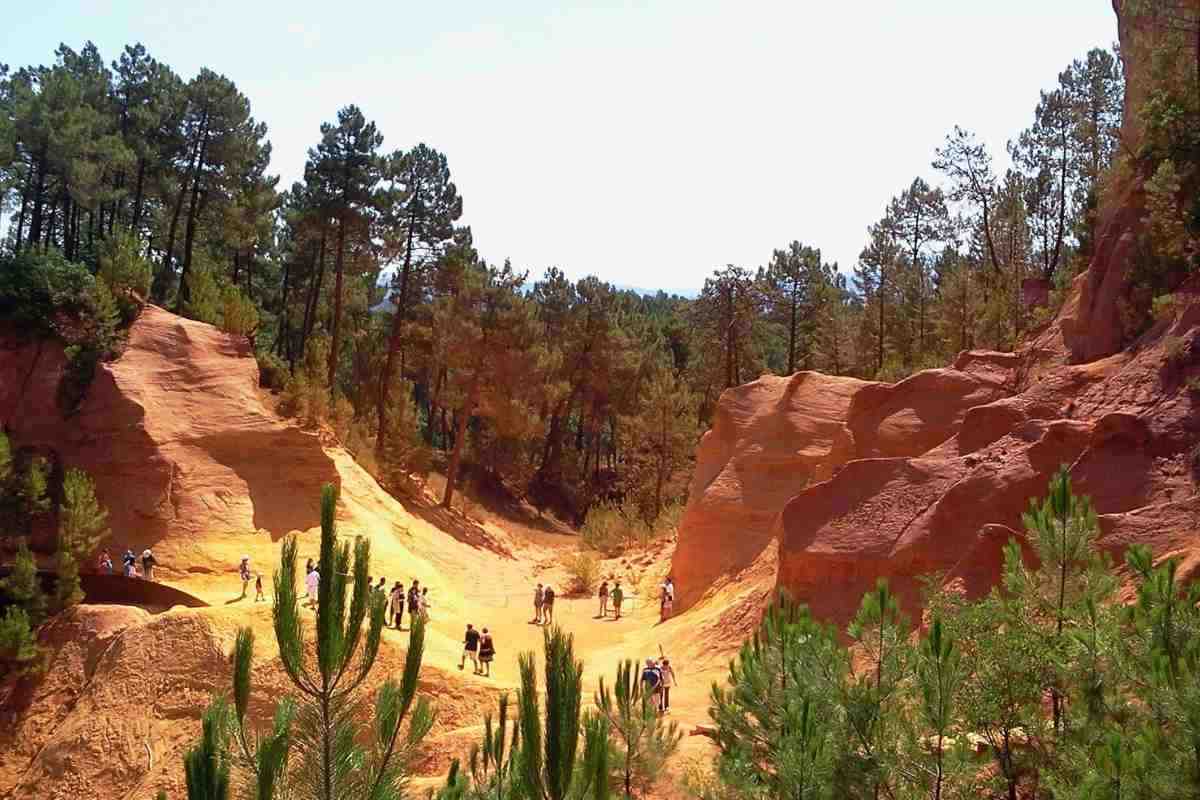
(652, 683)
(470, 648)
(148, 564)
(414, 601)
(667, 601)
(603, 600)
(244, 574)
(618, 597)
(539, 602)
(396, 605)
(548, 607)
(668, 680)
(130, 561)
(487, 651)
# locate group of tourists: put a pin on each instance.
(479, 649)
(543, 606)
(658, 676)
(416, 598)
(616, 597)
(131, 565)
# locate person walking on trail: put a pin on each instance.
(539, 601)
(129, 560)
(470, 648)
(487, 651)
(244, 574)
(414, 601)
(618, 597)
(652, 683)
(423, 604)
(603, 599)
(667, 600)
(396, 605)
(148, 563)
(106, 565)
(382, 585)
(548, 607)
(668, 680)
(258, 592)
(312, 582)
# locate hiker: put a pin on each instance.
(617, 597)
(539, 598)
(548, 607)
(129, 560)
(487, 651)
(652, 683)
(470, 648)
(668, 680)
(148, 563)
(604, 599)
(106, 565)
(258, 592)
(667, 600)
(312, 582)
(244, 573)
(382, 585)
(423, 604)
(396, 605)
(414, 601)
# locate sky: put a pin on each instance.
(648, 143)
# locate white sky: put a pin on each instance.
(645, 142)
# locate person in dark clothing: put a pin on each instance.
(396, 604)
(548, 607)
(258, 592)
(603, 600)
(470, 648)
(487, 651)
(414, 599)
(652, 683)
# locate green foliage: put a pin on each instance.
(239, 315)
(22, 586)
(776, 722)
(34, 286)
(205, 300)
(206, 765)
(18, 644)
(583, 571)
(125, 272)
(82, 521)
(1163, 307)
(317, 742)
(273, 373)
(642, 741)
(549, 766)
(612, 527)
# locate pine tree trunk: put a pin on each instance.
(460, 436)
(395, 338)
(21, 217)
(35, 220)
(791, 368)
(189, 238)
(138, 195)
(335, 337)
(314, 294)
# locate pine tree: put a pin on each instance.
(206, 765)
(82, 521)
(550, 769)
(18, 644)
(23, 586)
(939, 675)
(775, 723)
(643, 741)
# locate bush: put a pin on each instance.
(273, 373)
(1178, 352)
(614, 527)
(583, 570)
(18, 645)
(127, 274)
(1163, 307)
(35, 285)
(238, 313)
(204, 301)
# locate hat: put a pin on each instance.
(245, 558)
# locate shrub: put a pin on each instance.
(35, 285)
(238, 313)
(1163, 307)
(609, 527)
(273, 373)
(18, 645)
(121, 266)
(583, 570)
(204, 301)
(1178, 352)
